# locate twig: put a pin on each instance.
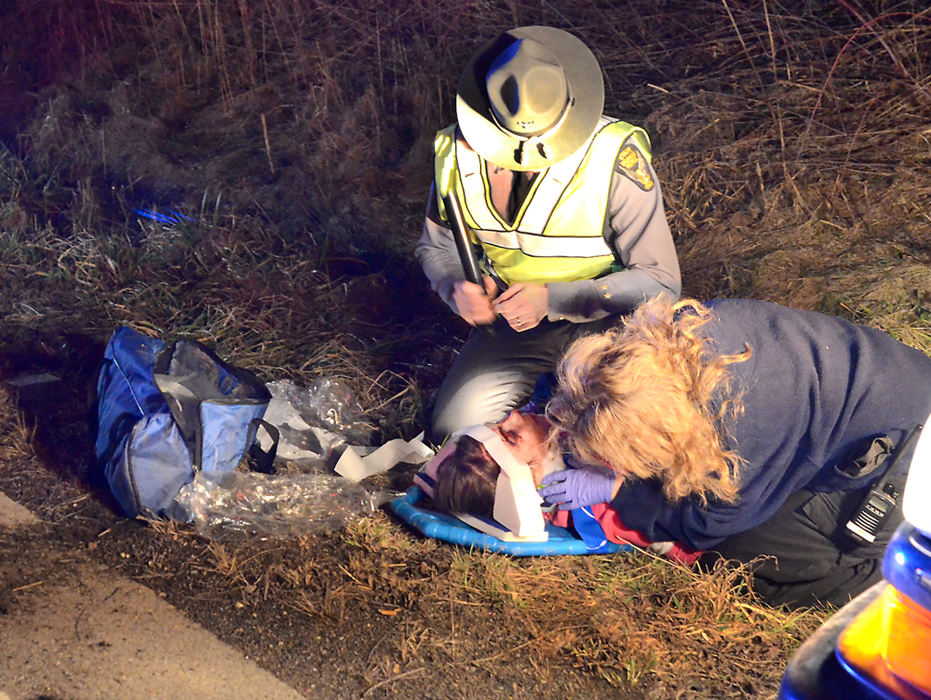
(388, 401)
(772, 43)
(464, 662)
(495, 656)
(744, 45)
(843, 50)
(852, 10)
(268, 147)
(27, 586)
(389, 681)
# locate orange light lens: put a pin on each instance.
(906, 633)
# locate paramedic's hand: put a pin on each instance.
(474, 304)
(577, 488)
(523, 305)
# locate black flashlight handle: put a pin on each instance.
(460, 232)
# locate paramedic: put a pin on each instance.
(465, 477)
(565, 209)
(747, 428)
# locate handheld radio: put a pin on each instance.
(880, 501)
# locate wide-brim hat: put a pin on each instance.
(570, 60)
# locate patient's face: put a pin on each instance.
(525, 435)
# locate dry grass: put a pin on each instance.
(16, 434)
(792, 143)
(638, 622)
(635, 620)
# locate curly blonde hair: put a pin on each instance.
(638, 399)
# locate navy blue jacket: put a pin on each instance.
(816, 389)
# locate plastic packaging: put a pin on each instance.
(316, 426)
(328, 404)
(276, 505)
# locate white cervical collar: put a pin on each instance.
(517, 503)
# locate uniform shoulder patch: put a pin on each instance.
(632, 163)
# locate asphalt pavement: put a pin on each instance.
(106, 636)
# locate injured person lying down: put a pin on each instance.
(504, 472)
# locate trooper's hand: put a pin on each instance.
(523, 305)
(576, 488)
(474, 304)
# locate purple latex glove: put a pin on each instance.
(576, 488)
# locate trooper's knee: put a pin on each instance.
(446, 421)
(468, 407)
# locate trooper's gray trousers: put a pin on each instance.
(497, 369)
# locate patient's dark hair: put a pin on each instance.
(466, 480)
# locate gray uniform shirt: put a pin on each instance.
(635, 229)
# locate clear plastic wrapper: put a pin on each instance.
(316, 426)
(277, 505)
(326, 403)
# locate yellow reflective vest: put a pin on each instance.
(556, 235)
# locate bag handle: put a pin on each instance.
(263, 460)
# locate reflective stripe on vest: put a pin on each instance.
(557, 233)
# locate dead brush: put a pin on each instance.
(629, 618)
(250, 569)
(799, 165)
(378, 533)
(900, 306)
(16, 434)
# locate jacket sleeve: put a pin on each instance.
(642, 505)
(638, 234)
(763, 490)
(616, 531)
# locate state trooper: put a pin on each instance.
(564, 208)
